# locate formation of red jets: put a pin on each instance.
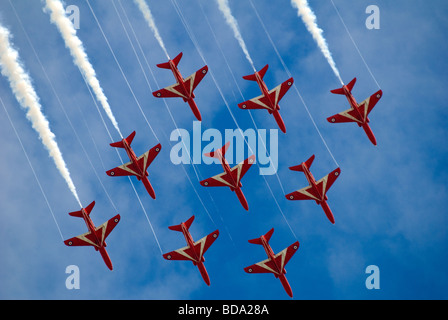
(231, 177)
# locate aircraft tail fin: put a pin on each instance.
(179, 226)
(120, 144)
(166, 65)
(307, 163)
(350, 86)
(267, 236)
(87, 209)
(221, 151)
(261, 73)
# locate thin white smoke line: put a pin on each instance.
(144, 210)
(354, 43)
(146, 215)
(80, 58)
(294, 85)
(228, 108)
(119, 67)
(196, 171)
(121, 160)
(132, 184)
(280, 209)
(48, 78)
(63, 109)
(253, 121)
(194, 40)
(310, 20)
(130, 41)
(21, 85)
(153, 76)
(138, 59)
(224, 7)
(129, 178)
(150, 88)
(144, 8)
(32, 169)
(239, 89)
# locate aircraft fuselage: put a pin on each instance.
(280, 271)
(312, 182)
(323, 197)
(198, 260)
(364, 120)
(354, 105)
(91, 228)
(189, 240)
(133, 158)
(228, 171)
(180, 81)
(265, 92)
(271, 256)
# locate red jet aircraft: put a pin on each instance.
(269, 99)
(183, 88)
(358, 112)
(95, 237)
(231, 177)
(276, 262)
(194, 251)
(317, 189)
(137, 166)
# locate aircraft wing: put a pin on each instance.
(173, 91)
(148, 157)
(306, 193)
(106, 228)
(278, 92)
(127, 169)
(185, 253)
(367, 105)
(176, 90)
(220, 180)
(263, 102)
(265, 266)
(286, 254)
(88, 239)
(240, 169)
(230, 180)
(199, 248)
(268, 265)
(260, 102)
(202, 245)
(326, 182)
(143, 162)
(85, 239)
(193, 80)
(351, 115)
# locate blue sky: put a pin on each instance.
(389, 202)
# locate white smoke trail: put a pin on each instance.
(231, 21)
(143, 6)
(309, 18)
(80, 58)
(23, 89)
